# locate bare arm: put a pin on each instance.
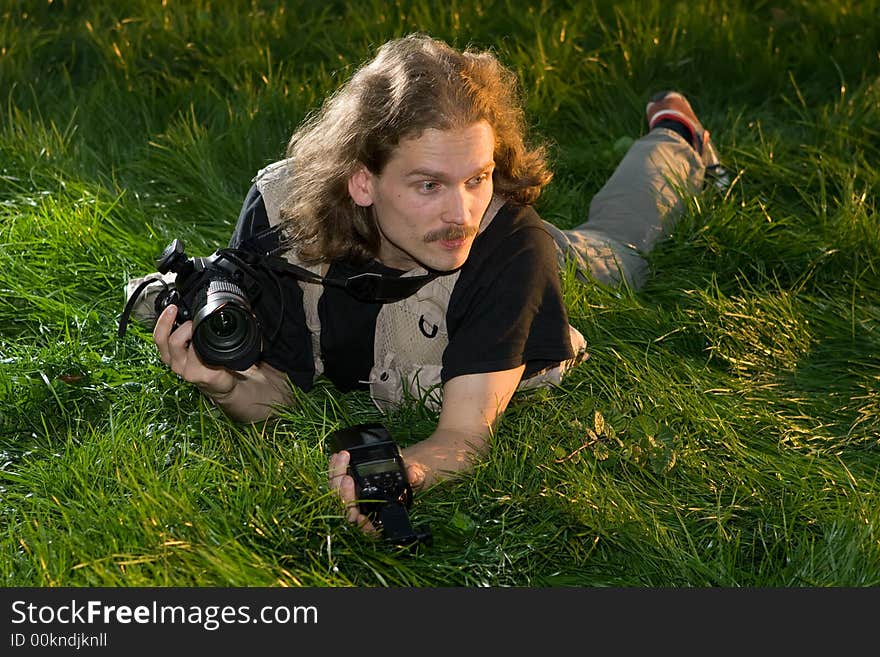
(247, 396)
(472, 404)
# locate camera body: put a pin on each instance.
(218, 294)
(381, 484)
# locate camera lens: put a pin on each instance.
(225, 326)
(225, 330)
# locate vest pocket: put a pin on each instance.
(391, 384)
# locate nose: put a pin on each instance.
(457, 207)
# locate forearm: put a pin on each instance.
(255, 395)
(472, 403)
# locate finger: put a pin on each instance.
(348, 495)
(338, 468)
(344, 485)
(179, 348)
(162, 330)
(194, 369)
(352, 510)
(181, 338)
(416, 474)
(366, 525)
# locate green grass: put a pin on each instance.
(725, 431)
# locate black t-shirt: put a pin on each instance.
(506, 308)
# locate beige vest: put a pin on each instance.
(411, 334)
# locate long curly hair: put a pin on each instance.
(412, 84)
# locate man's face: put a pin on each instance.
(431, 196)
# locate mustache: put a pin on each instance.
(452, 233)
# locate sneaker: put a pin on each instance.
(672, 106)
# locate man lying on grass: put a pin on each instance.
(418, 167)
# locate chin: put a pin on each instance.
(448, 262)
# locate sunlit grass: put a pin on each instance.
(724, 432)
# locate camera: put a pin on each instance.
(217, 293)
(234, 296)
(381, 485)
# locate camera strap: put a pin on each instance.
(132, 301)
(369, 287)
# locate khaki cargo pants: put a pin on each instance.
(637, 206)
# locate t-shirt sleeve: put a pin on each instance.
(253, 220)
(287, 344)
(507, 307)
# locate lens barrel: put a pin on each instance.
(226, 332)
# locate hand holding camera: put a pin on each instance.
(211, 292)
(174, 344)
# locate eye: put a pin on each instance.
(428, 186)
(478, 180)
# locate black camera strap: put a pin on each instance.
(369, 287)
(130, 304)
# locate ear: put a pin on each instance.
(360, 186)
